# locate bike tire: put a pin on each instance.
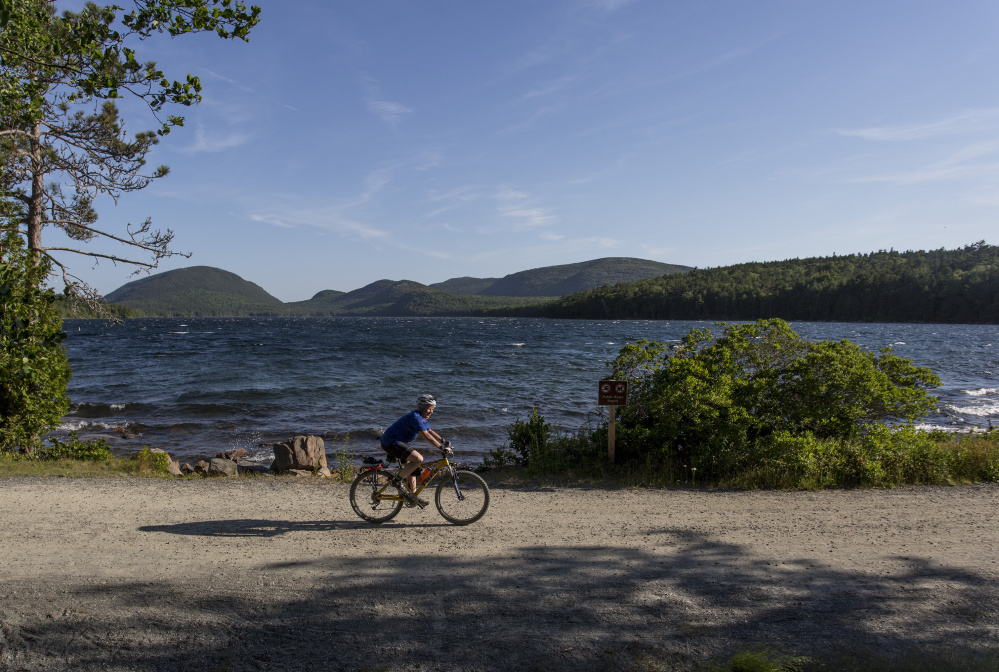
(362, 497)
(458, 512)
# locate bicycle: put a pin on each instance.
(462, 497)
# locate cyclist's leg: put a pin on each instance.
(411, 460)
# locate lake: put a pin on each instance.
(198, 386)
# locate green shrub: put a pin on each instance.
(147, 460)
(715, 404)
(582, 453)
(530, 436)
(34, 368)
(545, 449)
(91, 450)
(498, 458)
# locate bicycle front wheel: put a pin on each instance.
(365, 499)
(467, 507)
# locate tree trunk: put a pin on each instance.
(37, 204)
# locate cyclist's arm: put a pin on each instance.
(431, 437)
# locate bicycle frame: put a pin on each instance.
(436, 468)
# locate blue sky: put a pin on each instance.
(348, 142)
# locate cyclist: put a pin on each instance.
(396, 439)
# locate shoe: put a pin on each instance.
(422, 503)
(411, 499)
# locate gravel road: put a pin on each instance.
(279, 574)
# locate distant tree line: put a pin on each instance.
(960, 285)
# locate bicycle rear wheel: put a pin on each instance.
(364, 497)
(473, 502)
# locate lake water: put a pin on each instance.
(198, 386)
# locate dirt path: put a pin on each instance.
(123, 574)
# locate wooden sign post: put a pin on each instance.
(612, 393)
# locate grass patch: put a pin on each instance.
(343, 459)
(14, 465)
(76, 458)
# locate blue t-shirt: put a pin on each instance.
(405, 429)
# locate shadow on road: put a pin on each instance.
(536, 608)
(249, 527)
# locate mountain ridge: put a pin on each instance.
(208, 291)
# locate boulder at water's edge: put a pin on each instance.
(300, 452)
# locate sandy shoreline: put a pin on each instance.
(123, 574)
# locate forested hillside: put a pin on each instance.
(203, 291)
(562, 279)
(195, 291)
(465, 285)
(207, 291)
(959, 285)
(403, 298)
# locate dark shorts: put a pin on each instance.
(399, 451)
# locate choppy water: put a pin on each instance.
(197, 386)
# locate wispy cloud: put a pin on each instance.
(214, 142)
(233, 82)
(376, 180)
(726, 58)
(452, 199)
(977, 160)
(975, 121)
(273, 220)
(601, 242)
(391, 112)
(521, 206)
(549, 88)
(608, 5)
(329, 219)
(341, 216)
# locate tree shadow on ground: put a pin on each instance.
(536, 608)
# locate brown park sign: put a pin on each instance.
(612, 393)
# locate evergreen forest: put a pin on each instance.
(946, 286)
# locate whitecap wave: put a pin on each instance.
(984, 410)
(86, 425)
(952, 429)
(518, 345)
(982, 391)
